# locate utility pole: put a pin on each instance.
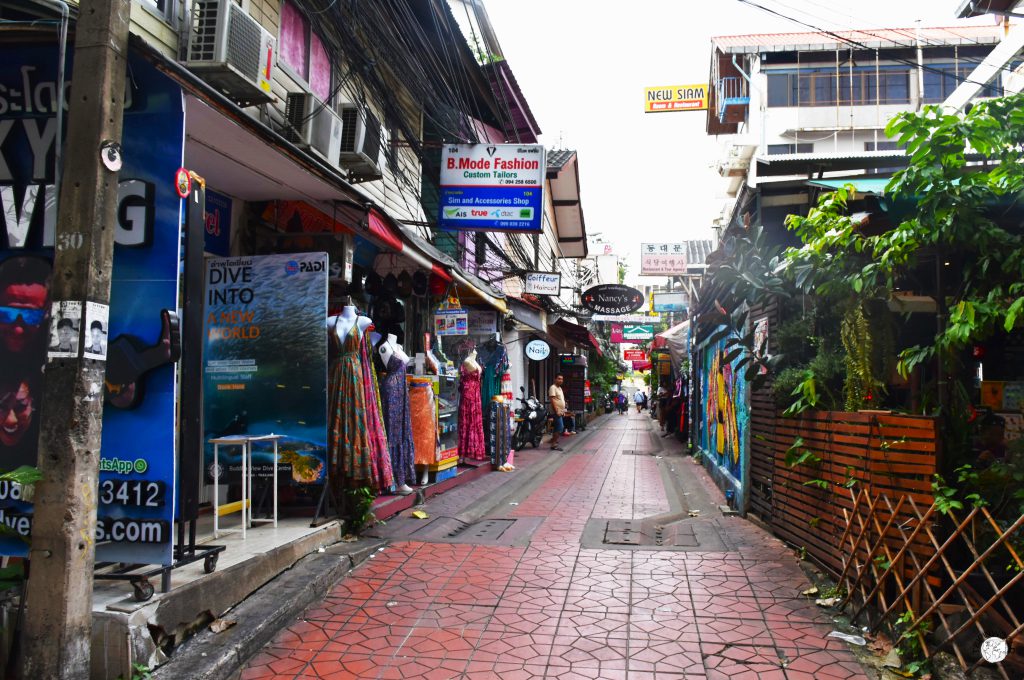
(58, 622)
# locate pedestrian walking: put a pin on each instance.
(557, 398)
(638, 399)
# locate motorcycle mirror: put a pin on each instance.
(522, 389)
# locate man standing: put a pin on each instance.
(638, 399)
(557, 400)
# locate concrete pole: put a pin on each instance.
(58, 621)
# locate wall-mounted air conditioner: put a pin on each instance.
(360, 141)
(313, 125)
(231, 51)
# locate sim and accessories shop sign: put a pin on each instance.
(492, 187)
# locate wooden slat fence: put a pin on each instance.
(893, 454)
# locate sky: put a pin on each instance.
(583, 66)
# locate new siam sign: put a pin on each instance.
(492, 187)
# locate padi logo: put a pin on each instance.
(292, 267)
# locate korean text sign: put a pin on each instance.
(662, 259)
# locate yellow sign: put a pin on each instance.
(676, 98)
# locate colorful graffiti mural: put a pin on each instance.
(725, 414)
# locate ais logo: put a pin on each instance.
(291, 268)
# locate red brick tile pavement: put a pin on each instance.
(556, 610)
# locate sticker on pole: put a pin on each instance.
(994, 649)
(65, 329)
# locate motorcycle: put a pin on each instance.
(531, 421)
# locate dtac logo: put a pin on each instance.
(291, 268)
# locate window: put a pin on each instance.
(161, 8)
(940, 80)
(882, 146)
(825, 86)
(777, 149)
(303, 53)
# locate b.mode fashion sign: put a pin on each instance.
(612, 298)
(492, 187)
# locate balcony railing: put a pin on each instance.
(731, 92)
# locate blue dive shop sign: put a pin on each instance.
(492, 187)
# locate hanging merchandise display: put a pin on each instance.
(424, 420)
(394, 390)
(499, 439)
(493, 357)
(356, 439)
(450, 318)
(471, 426)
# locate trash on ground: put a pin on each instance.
(694, 513)
(846, 637)
(221, 625)
(828, 601)
(813, 590)
(419, 514)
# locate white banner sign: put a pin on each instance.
(626, 318)
(543, 283)
(662, 258)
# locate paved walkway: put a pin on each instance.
(544, 606)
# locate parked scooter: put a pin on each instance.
(531, 422)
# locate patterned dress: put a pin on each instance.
(398, 421)
(471, 423)
(348, 444)
(380, 458)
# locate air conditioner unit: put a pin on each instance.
(313, 125)
(231, 51)
(360, 142)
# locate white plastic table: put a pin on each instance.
(245, 441)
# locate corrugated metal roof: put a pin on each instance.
(697, 251)
(874, 37)
(784, 157)
(558, 158)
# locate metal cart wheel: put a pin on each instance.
(210, 563)
(143, 590)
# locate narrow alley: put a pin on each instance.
(567, 581)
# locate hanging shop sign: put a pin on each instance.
(265, 363)
(676, 98)
(136, 495)
(615, 336)
(538, 350)
(670, 302)
(573, 360)
(543, 283)
(642, 365)
(627, 319)
(481, 321)
(217, 236)
(634, 355)
(492, 187)
(632, 333)
(660, 259)
(451, 319)
(612, 298)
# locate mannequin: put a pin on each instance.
(470, 363)
(342, 323)
(390, 348)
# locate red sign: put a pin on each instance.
(616, 334)
(641, 365)
(182, 183)
(634, 355)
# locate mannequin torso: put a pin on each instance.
(342, 323)
(390, 348)
(470, 363)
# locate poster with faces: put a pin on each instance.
(96, 325)
(65, 329)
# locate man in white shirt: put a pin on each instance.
(557, 400)
(638, 399)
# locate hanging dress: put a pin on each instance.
(424, 420)
(471, 424)
(348, 444)
(394, 391)
(380, 458)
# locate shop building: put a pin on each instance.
(311, 151)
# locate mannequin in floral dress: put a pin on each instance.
(471, 425)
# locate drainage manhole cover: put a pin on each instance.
(623, 532)
(486, 530)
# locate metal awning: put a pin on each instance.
(802, 163)
(564, 183)
(862, 185)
